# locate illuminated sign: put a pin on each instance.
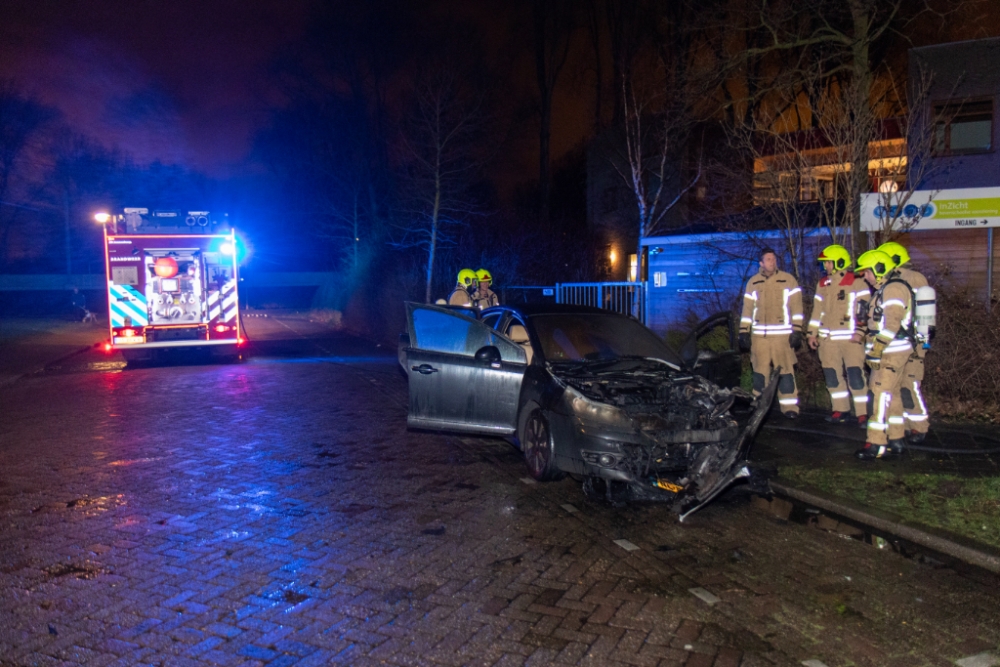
(932, 209)
(126, 258)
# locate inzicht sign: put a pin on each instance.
(971, 208)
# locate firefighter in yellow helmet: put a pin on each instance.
(462, 294)
(888, 348)
(831, 332)
(484, 297)
(771, 328)
(914, 406)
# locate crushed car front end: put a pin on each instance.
(663, 433)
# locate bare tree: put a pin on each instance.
(443, 155)
(552, 30)
(905, 170)
(21, 119)
(805, 157)
(833, 49)
(650, 164)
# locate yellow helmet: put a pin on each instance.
(879, 262)
(483, 274)
(897, 251)
(466, 277)
(838, 255)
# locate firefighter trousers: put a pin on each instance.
(914, 407)
(887, 421)
(843, 364)
(768, 352)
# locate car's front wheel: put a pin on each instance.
(536, 443)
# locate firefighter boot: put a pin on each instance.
(914, 437)
(897, 446)
(839, 417)
(871, 452)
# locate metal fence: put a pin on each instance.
(623, 298)
(516, 294)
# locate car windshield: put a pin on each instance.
(582, 337)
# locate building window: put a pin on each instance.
(963, 127)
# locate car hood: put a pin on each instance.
(660, 399)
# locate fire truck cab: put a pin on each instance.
(173, 283)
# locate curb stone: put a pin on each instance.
(941, 541)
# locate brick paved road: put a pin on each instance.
(278, 512)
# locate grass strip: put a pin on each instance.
(968, 506)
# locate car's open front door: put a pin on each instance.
(463, 375)
(711, 350)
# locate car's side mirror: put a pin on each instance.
(489, 354)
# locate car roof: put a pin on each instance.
(529, 309)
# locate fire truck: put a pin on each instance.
(173, 283)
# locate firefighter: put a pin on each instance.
(771, 328)
(484, 297)
(461, 295)
(888, 348)
(914, 407)
(831, 332)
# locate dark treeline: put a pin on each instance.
(414, 140)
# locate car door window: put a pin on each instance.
(438, 330)
(492, 320)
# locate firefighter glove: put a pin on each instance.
(795, 340)
(744, 342)
(931, 331)
(874, 356)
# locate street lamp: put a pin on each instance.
(102, 218)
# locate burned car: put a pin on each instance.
(585, 392)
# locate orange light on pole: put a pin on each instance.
(102, 218)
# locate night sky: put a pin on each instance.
(183, 82)
(189, 82)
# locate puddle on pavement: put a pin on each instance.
(98, 503)
(293, 597)
(129, 462)
(84, 570)
(89, 367)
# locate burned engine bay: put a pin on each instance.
(692, 441)
(662, 402)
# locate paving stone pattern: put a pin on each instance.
(280, 513)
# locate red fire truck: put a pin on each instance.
(172, 283)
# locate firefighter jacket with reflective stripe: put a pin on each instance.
(772, 305)
(459, 297)
(485, 298)
(834, 305)
(890, 316)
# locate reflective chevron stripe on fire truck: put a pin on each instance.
(127, 302)
(223, 302)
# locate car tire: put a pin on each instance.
(536, 443)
